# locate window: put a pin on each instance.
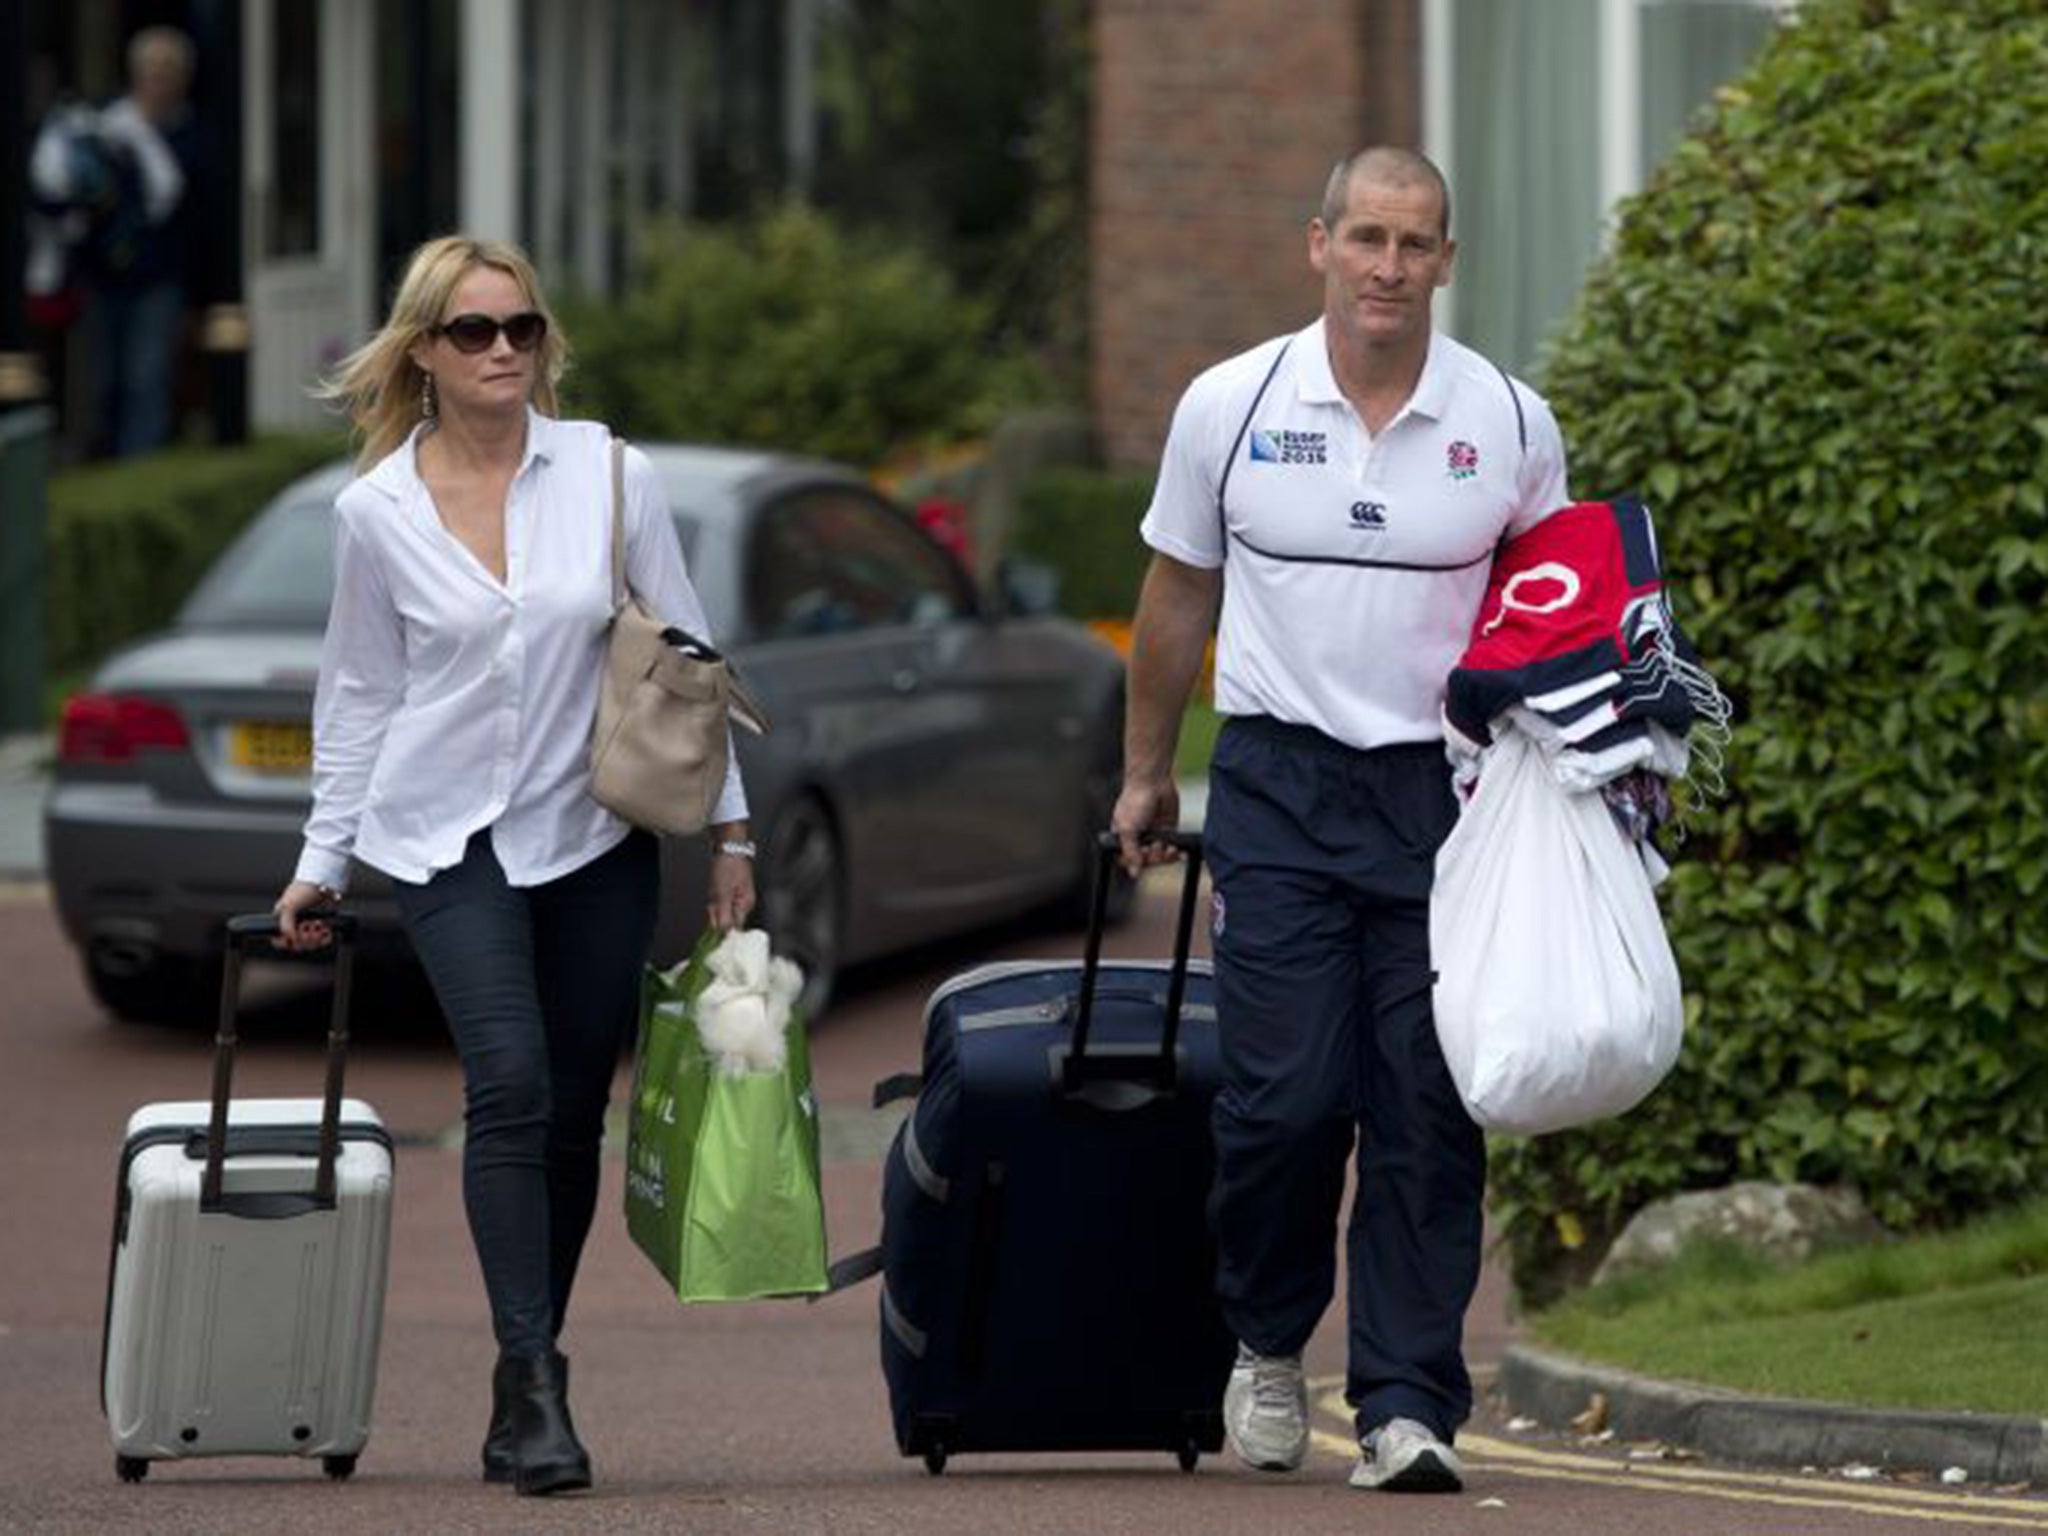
(1688, 51)
(833, 561)
(293, 225)
(1543, 117)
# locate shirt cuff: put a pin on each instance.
(323, 866)
(732, 798)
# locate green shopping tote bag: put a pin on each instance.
(722, 1186)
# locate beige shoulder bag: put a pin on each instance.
(658, 755)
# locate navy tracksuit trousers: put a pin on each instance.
(1322, 858)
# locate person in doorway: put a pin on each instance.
(138, 252)
(458, 688)
(1338, 492)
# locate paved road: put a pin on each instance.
(756, 1418)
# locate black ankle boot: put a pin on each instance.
(546, 1455)
(498, 1438)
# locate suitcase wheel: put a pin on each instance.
(130, 1469)
(1188, 1455)
(935, 1457)
(338, 1467)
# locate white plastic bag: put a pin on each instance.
(1557, 997)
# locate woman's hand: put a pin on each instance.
(732, 877)
(301, 896)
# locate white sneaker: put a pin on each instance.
(1265, 1411)
(1402, 1456)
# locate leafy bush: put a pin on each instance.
(1818, 344)
(1084, 524)
(793, 333)
(126, 541)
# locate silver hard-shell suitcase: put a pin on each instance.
(245, 1292)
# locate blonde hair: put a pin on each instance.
(380, 385)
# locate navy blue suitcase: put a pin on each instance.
(1048, 1273)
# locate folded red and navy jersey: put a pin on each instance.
(1575, 629)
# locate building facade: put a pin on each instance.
(344, 132)
(563, 124)
(1217, 121)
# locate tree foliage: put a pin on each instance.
(790, 331)
(1820, 346)
(965, 126)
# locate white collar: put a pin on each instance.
(1315, 383)
(397, 474)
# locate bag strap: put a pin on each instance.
(849, 1271)
(746, 710)
(618, 523)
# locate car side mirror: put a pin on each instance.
(1027, 589)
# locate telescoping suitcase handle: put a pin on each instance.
(252, 933)
(1122, 1078)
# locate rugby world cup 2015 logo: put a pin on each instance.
(1461, 460)
(1282, 445)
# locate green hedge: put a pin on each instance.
(1084, 524)
(127, 540)
(1818, 345)
(791, 332)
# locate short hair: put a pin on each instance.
(167, 43)
(1391, 165)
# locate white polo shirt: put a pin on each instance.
(1355, 563)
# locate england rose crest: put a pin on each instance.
(1462, 460)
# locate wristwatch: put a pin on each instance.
(735, 848)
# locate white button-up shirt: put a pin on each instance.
(449, 701)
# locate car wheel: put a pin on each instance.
(801, 895)
(166, 990)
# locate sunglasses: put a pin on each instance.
(479, 333)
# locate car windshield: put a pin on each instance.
(281, 571)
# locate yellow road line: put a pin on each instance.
(1960, 1509)
(1509, 1458)
(1680, 1472)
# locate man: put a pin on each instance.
(138, 254)
(1352, 480)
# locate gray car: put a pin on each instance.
(939, 761)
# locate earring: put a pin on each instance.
(430, 405)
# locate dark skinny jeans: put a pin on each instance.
(540, 986)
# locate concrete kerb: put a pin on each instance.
(24, 765)
(1773, 1431)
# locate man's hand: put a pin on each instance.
(1142, 807)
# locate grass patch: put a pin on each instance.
(1198, 728)
(1944, 1321)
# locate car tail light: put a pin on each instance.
(113, 727)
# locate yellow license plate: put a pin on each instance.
(271, 746)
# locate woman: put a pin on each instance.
(451, 730)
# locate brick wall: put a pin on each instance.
(1215, 124)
